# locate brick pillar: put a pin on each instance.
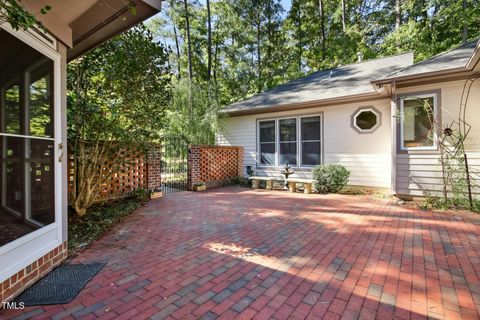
(194, 165)
(240, 161)
(154, 168)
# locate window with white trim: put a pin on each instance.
(417, 128)
(297, 140)
(366, 120)
(267, 142)
(287, 141)
(311, 141)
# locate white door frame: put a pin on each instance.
(20, 253)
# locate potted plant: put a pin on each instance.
(156, 193)
(199, 186)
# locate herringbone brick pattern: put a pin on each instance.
(255, 254)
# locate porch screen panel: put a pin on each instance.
(288, 141)
(27, 188)
(267, 142)
(311, 141)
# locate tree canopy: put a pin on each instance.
(246, 46)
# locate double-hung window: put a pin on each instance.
(417, 130)
(288, 141)
(311, 141)
(267, 143)
(296, 140)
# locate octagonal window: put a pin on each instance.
(366, 120)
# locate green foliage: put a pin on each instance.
(239, 181)
(440, 203)
(15, 14)
(331, 178)
(119, 90)
(117, 95)
(84, 230)
(256, 45)
(141, 195)
(193, 113)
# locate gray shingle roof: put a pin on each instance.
(348, 80)
(449, 60)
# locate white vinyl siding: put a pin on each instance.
(368, 157)
(419, 173)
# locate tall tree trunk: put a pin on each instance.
(189, 45)
(259, 61)
(209, 41)
(175, 34)
(398, 14)
(465, 26)
(300, 38)
(215, 62)
(177, 47)
(322, 27)
(344, 15)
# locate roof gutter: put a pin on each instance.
(309, 104)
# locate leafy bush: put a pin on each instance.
(141, 194)
(331, 178)
(102, 217)
(440, 203)
(237, 181)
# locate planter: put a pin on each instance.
(156, 194)
(199, 188)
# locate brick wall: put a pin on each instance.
(23, 279)
(213, 164)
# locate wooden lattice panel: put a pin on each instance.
(131, 176)
(213, 164)
(128, 178)
(218, 164)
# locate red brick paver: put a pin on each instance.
(254, 254)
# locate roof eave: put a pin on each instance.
(420, 75)
(308, 104)
(475, 58)
(104, 26)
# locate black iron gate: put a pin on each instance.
(174, 164)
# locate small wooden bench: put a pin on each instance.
(268, 180)
(307, 184)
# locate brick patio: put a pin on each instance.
(238, 253)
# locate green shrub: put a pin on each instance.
(331, 178)
(440, 203)
(237, 181)
(141, 194)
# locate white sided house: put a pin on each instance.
(368, 116)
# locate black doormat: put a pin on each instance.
(61, 285)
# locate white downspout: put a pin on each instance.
(394, 123)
